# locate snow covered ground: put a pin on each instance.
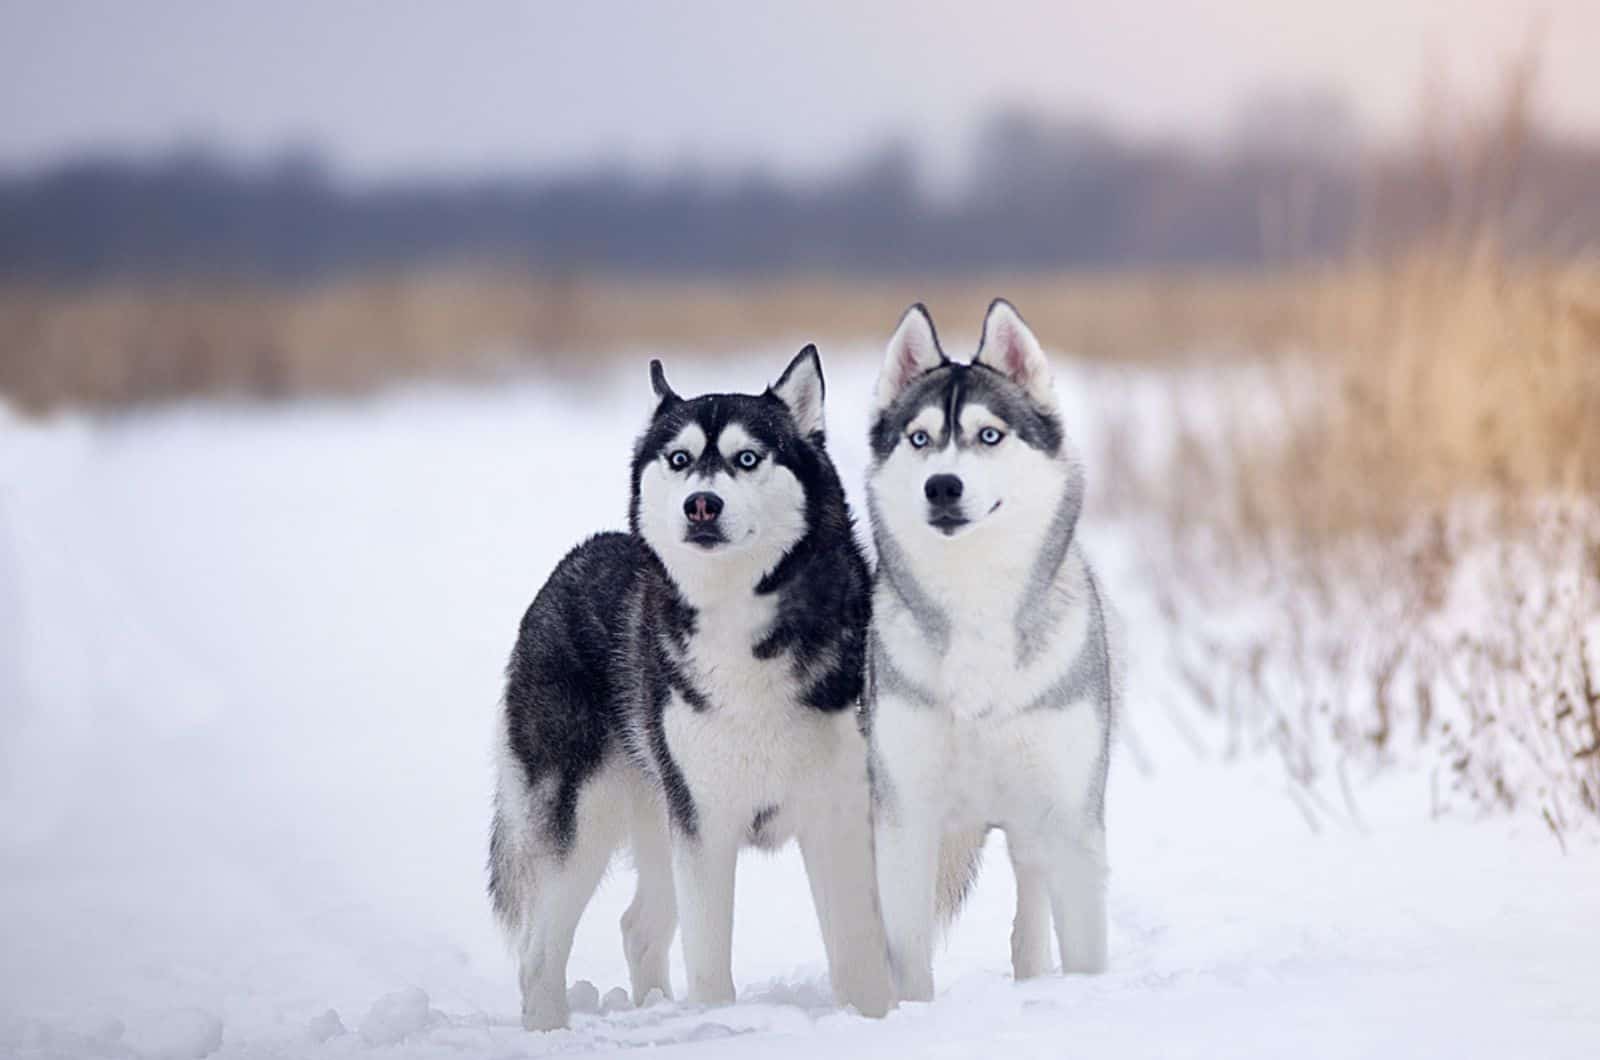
(249, 662)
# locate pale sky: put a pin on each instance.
(399, 88)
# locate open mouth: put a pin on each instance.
(707, 537)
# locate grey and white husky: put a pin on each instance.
(688, 689)
(993, 687)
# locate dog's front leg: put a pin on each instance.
(907, 860)
(703, 867)
(907, 814)
(837, 849)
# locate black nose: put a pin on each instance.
(942, 489)
(702, 507)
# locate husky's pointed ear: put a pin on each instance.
(801, 389)
(913, 349)
(1008, 346)
(665, 395)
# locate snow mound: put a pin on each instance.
(583, 996)
(395, 1017)
(709, 1032)
(183, 1034)
(328, 1025)
(810, 994)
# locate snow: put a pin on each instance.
(183, 1034)
(324, 1026)
(395, 1017)
(249, 660)
(617, 999)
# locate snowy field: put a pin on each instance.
(249, 663)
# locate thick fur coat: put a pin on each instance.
(690, 688)
(994, 685)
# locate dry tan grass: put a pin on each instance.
(1437, 376)
(120, 345)
(1411, 566)
(1440, 372)
(1444, 365)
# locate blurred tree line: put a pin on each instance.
(1292, 184)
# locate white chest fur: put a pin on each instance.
(971, 661)
(754, 744)
(721, 661)
(967, 705)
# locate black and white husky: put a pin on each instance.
(688, 689)
(993, 686)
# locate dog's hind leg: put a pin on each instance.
(1030, 932)
(1077, 882)
(652, 916)
(563, 881)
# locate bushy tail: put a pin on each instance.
(960, 856)
(511, 880)
(505, 889)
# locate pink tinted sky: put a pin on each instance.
(389, 89)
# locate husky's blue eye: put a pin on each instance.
(919, 439)
(990, 436)
(747, 458)
(679, 459)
